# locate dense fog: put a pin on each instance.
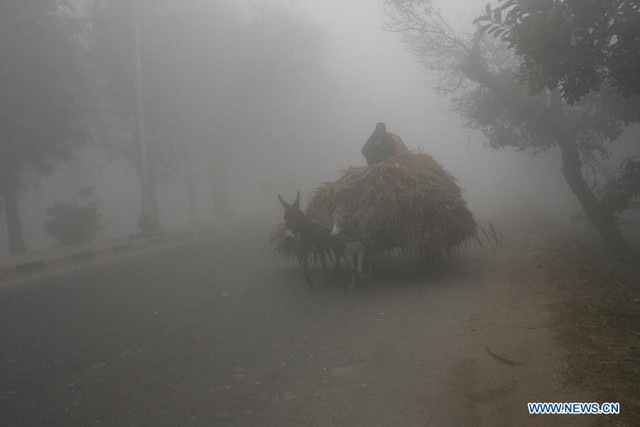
(260, 98)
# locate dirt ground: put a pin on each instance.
(597, 319)
(221, 333)
(522, 361)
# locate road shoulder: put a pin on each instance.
(596, 319)
(521, 359)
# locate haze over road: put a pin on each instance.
(219, 333)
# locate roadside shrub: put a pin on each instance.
(72, 223)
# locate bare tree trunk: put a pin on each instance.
(152, 178)
(12, 215)
(597, 214)
(148, 221)
(191, 186)
(219, 192)
(221, 211)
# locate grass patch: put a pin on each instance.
(598, 321)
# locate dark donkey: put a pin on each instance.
(310, 238)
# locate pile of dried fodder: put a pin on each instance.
(408, 201)
(278, 242)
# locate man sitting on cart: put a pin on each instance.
(381, 145)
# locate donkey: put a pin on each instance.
(309, 238)
(358, 247)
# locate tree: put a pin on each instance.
(212, 72)
(113, 42)
(579, 47)
(228, 78)
(576, 46)
(483, 71)
(41, 97)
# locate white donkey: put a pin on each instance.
(358, 246)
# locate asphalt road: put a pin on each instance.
(220, 333)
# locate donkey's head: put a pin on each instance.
(294, 219)
(341, 221)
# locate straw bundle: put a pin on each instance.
(408, 201)
(279, 243)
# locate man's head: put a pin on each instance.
(381, 127)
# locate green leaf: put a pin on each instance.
(493, 29)
(484, 27)
(497, 15)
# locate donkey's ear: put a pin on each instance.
(285, 204)
(297, 202)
